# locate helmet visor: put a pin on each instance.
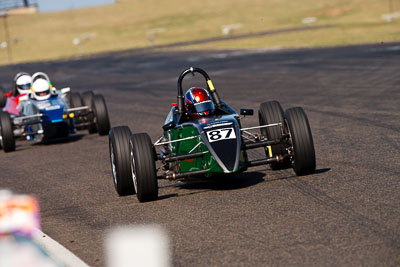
(207, 105)
(26, 86)
(44, 93)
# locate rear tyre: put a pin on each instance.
(75, 100)
(87, 98)
(3, 100)
(120, 160)
(143, 167)
(101, 114)
(7, 134)
(271, 112)
(303, 161)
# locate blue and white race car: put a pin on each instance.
(48, 113)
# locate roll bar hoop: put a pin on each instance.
(210, 88)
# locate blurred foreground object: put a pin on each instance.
(19, 214)
(137, 246)
(19, 220)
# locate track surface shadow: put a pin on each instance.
(317, 171)
(217, 183)
(23, 145)
(55, 141)
(228, 182)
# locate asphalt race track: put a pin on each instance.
(346, 214)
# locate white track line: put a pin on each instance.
(56, 251)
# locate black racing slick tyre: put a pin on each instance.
(100, 114)
(7, 134)
(87, 98)
(303, 161)
(143, 167)
(75, 100)
(120, 160)
(3, 100)
(271, 112)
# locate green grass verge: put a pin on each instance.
(125, 25)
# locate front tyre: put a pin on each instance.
(120, 160)
(7, 133)
(101, 114)
(303, 160)
(143, 167)
(271, 112)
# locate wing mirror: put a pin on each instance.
(246, 112)
(169, 126)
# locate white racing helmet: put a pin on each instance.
(41, 89)
(40, 75)
(23, 82)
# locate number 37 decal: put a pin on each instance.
(221, 134)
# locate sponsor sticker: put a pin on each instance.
(53, 107)
(217, 124)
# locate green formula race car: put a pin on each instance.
(209, 146)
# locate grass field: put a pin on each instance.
(129, 23)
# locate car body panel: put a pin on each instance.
(52, 109)
(12, 106)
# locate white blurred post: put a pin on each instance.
(145, 245)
